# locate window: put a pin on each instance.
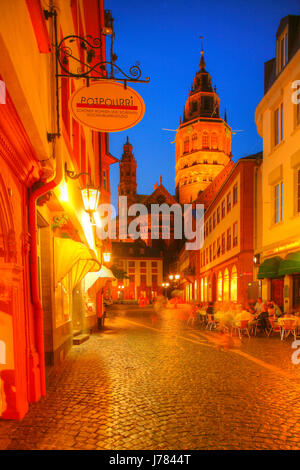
(278, 202)
(220, 287)
(205, 140)
(282, 51)
(218, 247)
(143, 279)
(226, 285)
(205, 289)
(233, 285)
(214, 140)
(210, 225)
(154, 279)
(218, 214)
(223, 209)
(223, 243)
(214, 220)
(235, 194)
(278, 125)
(194, 141)
(186, 145)
(214, 250)
(210, 254)
(228, 202)
(202, 289)
(229, 239)
(235, 234)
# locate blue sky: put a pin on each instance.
(163, 35)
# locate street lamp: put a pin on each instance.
(89, 193)
(106, 257)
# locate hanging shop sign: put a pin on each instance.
(107, 106)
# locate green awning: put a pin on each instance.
(269, 268)
(290, 265)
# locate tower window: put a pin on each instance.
(194, 107)
(194, 141)
(186, 145)
(214, 141)
(205, 140)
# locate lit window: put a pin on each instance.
(226, 284)
(202, 289)
(233, 284)
(220, 287)
(205, 289)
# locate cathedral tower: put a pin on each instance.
(203, 139)
(127, 186)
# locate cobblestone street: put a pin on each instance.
(156, 383)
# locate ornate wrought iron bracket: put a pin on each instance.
(77, 57)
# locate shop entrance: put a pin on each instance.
(296, 291)
(277, 291)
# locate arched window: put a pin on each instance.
(205, 289)
(205, 140)
(186, 145)
(226, 284)
(233, 285)
(214, 141)
(220, 287)
(194, 142)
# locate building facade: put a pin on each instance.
(277, 119)
(48, 241)
(225, 263)
(143, 269)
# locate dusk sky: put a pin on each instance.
(163, 35)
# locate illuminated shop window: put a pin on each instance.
(202, 289)
(226, 284)
(220, 287)
(233, 286)
(205, 288)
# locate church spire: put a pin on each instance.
(202, 62)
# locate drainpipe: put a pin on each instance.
(38, 314)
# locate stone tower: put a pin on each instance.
(203, 139)
(127, 186)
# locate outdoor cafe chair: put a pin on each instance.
(274, 327)
(243, 327)
(288, 326)
(210, 322)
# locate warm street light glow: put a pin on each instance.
(171, 277)
(177, 276)
(106, 257)
(64, 196)
(90, 196)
